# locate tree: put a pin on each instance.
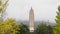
(50, 29)
(24, 29)
(3, 6)
(56, 28)
(58, 16)
(9, 27)
(44, 29)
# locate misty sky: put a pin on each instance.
(43, 9)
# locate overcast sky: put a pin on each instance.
(43, 9)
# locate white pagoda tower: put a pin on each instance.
(31, 20)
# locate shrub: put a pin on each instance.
(9, 27)
(24, 29)
(44, 29)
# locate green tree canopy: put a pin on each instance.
(57, 27)
(24, 29)
(9, 27)
(44, 29)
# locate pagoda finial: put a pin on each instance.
(31, 9)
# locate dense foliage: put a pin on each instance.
(9, 27)
(58, 16)
(24, 29)
(57, 27)
(44, 29)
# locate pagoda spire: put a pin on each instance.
(31, 20)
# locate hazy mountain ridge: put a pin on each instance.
(37, 23)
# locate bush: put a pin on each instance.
(9, 27)
(24, 29)
(44, 29)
